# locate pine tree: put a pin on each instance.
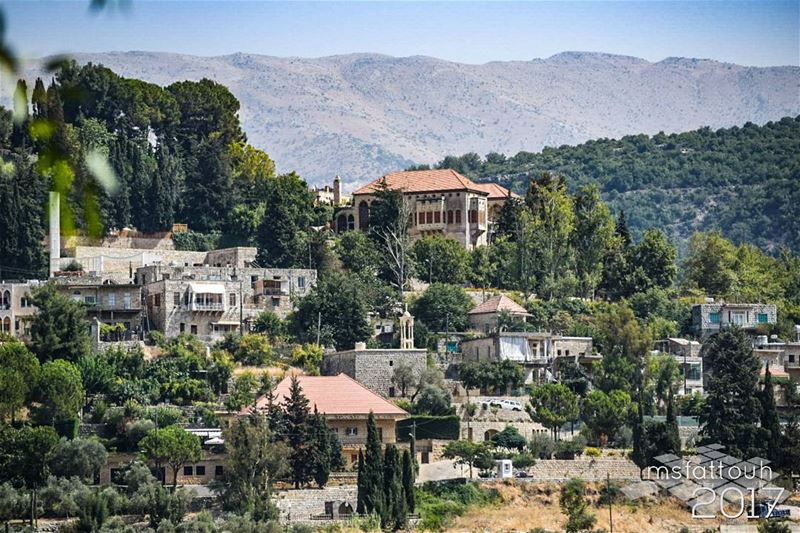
(39, 99)
(276, 417)
(321, 449)
(408, 481)
(370, 480)
(297, 426)
(770, 423)
(732, 408)
(622, 231)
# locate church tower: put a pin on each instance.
(406, 331)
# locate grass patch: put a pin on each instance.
(439, 503)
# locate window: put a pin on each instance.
(157, 300)
(437, 217)
(714, 318)
(737, 317)
(176, 299)
(187, 470)
(193, 329)
(301, 282)
(182, 327)
(429, 217)
(112, 300)
(450, 216)
(219, 470)
(200, 470)
(380, 434)
(391, 392)
(91, 300)
(126, 300)
(763, 318)
(232, 299)
(458, 216)
(351, 431)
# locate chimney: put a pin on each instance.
(54, 238)
(337, 191)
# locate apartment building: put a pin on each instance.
(711, 317)
(16, 307)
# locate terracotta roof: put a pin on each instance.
(496, 191)
(336, 395)
(422, 181)
(497, 304)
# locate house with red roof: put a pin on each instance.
(346, 405)
(484, 316)
(439, 201)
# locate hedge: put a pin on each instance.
(430, 427)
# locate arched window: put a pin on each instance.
(363, 215)
(341, 223)
(6, 299)
(7, 325)
(450, 216)
(458, 216)
(351, 222)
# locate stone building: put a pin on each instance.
(711, 317)
(687, 354)
(782, 357)
(330, 195)
(539, 353)
(374, 368)
(106, 301)
(211, 301)
(16, 307)
(484, 316)
(346, 405)
(439, 202)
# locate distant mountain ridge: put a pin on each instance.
(362, 115)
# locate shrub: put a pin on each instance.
(569, 449)
(541, 446)
(592, 452)
(523, 460)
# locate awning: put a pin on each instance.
(214, 440)
(207, 288)
(226, 323)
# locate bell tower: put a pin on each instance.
(406, 331)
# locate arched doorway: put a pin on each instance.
(363, 215)
(6, 327)
(341, 223)
(489, 434)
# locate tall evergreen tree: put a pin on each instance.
(39, 99)
(22, 228)
(673, 434)
(395, 512)
(320, 449)
(732, 409)
(594, 229)
(622, 231)
(770, 422)
(298, 434)
(408, 481)
(370, 479)
(59, 329)
(361, 483)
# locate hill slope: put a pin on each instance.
(743, 181)
(362, 115)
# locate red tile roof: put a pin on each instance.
(497, 304)
(496, 191)
(422, 181)
(336, 395)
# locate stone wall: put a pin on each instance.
(374, 368)
(586, 468)
(297, 506)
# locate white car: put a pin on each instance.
(506, 404)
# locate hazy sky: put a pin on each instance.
(750, 32)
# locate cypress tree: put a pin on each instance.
(321, 449)
(408, 481)
(39, 99)
(394, 512)
(622, 230)
(361, 483)
(673, 435)
(770, 423)
(297, 427)
(732, 409)
(373, 496)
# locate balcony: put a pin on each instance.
(207, 306)
(274, 291)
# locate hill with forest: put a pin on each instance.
(362, 115)
(742, 181)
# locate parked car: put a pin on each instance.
(521, 473)
(506, 404)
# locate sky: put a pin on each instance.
(757, 33)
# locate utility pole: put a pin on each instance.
(241, 306)
(319, 325)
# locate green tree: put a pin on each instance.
(283, 235)
(465, 452)
(594, 230)
(732, 408)
(770, 421)
(253, 463)
(173, 446)
(605, 413)
(60, 391)
(653, 261)
(395, 510)
(408, 481)
(19, 374)
(443, 307)
(441, 260)
(359, 254)
(509, 438)
(59, 329)
(389, 221)
(336, 310)
(553, 405)
(321, 450)
(298, 434)
(483, 268)
(573, 503)
(78, 457)
(269, 324)
(22, 228)
(370, 473)
(710, 264)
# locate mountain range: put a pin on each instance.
(362, 115)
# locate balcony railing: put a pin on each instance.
(274, 291)
(194, 306)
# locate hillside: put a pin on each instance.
(362, 115)
(742, 181)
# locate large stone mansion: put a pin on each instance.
(441, 202)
